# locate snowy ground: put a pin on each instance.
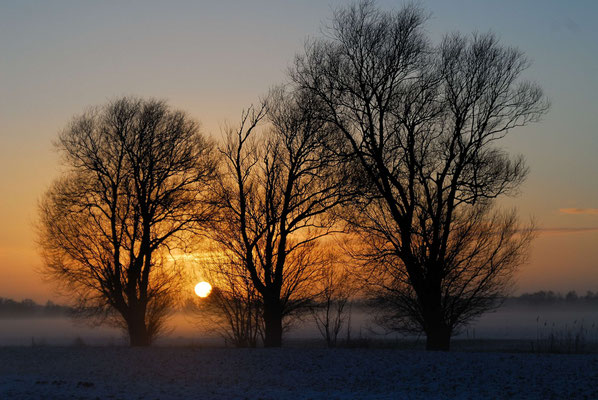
(290, 373)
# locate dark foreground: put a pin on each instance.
(288, 373)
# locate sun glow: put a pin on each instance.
(203, 289)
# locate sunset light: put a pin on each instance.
(203, 289)
(328, 199)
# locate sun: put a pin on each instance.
(203, 289)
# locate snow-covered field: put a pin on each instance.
(290, 373)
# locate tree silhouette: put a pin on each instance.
(234, 308)
(131, 193)
(422, 123)
(332, 307)
(274, 198)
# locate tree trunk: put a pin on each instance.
(438, 333)
(273, 325)
(138, 333)
(438, 337)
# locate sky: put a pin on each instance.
(212, 59)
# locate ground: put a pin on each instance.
(290, 373)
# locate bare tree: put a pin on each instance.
(234, 308)
(332, 305)
(423, 123)
(274, 196)
(132, 192)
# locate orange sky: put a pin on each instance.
(210, 61)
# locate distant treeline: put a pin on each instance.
(550, 297)
(28, 308)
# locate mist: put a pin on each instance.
(530, 318)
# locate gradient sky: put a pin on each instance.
(214, 58)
